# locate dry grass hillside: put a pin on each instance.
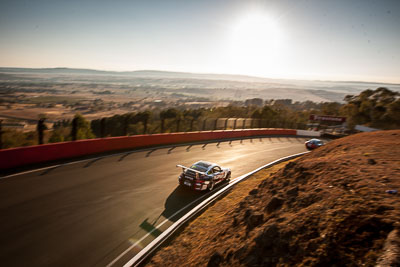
(330, 207)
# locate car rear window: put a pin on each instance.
(201, 166)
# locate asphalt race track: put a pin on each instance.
(91, 212)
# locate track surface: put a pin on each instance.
(88, 213)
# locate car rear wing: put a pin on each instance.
(187, 168)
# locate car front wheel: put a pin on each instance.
(228, 177)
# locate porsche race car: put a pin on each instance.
(203, 175)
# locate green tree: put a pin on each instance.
(257, 115)
(83, 128)
(376, 108)
(270, 116)
(56, 136)
(170, 113)
(15, 138)
(393, 110)
(330, 108)
(192, 115)
(144, 117)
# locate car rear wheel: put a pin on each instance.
(211, 186)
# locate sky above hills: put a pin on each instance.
(302, 39)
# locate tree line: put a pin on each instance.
(378, 108)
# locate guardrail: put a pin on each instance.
(23, 156)
(151, 248)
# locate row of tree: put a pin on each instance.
(378, 108)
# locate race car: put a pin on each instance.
(203, 175)
(313, 143)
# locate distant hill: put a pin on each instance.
(140, 73)
(53, 71)
(184, 75)
(218, 86)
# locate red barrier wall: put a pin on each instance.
(16, 157)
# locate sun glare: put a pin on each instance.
(255, 44)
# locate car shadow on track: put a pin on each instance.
(177, 200)
(177, 203)
(150, 227)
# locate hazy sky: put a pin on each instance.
(306, 39)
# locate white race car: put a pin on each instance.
(203, 175)
(313, 144)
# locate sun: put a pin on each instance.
(255, 43)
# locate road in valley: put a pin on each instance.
(88, 213)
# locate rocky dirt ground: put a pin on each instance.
(331, 207)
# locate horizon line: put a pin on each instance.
(207, 73)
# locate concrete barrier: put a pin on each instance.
(17, 157)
